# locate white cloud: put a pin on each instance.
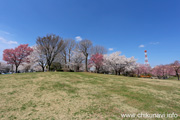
(12, 42)
(111, 49)
(4, 32)
(7, 42)
(141, 46)
(78, 38)
(154, 43)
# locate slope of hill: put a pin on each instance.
(65, 95)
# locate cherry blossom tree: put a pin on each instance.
(163, 71)
(4, 67)
(111, 61)
(142, 69)
(119, 64)
(130, 65)
(138, 69)
(77, 59)
(37, 58)
(96, 60)
(158, 71)
(169, 70)
(176, 66)
(17, 56)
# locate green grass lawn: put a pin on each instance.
(68, 95)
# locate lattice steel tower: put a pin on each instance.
(146, 58)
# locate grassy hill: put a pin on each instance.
(65, 95)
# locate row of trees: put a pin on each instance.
(160, 71)
(51, 52)
(52, 48)
(172, 69)
(112, 63)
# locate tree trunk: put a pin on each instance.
(115, 72)
(65, 61)
(16, 69)
(69, 57)
(69, 61)
(138, 73)
(76, 68)
(42, 68)
(12, 70)
(86, 64)
(119, 72)
(49, 66)
(97, 70)
(177, 75)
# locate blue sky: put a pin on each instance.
(129, 26)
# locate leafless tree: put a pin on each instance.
(50, 45)
(85, 47)
(67, 51)
(64, 52)
(99, 49)
(70, 47)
